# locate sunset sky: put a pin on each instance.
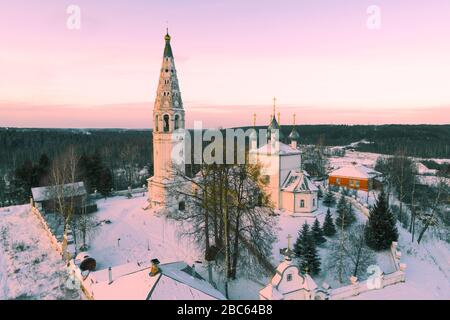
(318, 57)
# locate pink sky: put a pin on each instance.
(317, 57)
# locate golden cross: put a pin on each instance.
(254, 119)
(274, 105)
(294, 119)
(279, 117)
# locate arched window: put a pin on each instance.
(157, 123)
(177, 121)
(302, 203)
(166, 123)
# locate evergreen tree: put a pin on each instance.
(309, 259)
(306, 250)
(302, 238)
(317, 233)
(329, 199)
(328, 227)
(381, 228)
(345, 215)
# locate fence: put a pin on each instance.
(57, 245)
(376, 282)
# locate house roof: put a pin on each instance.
(298, 181)
(279, 149)
(48, 193)
(358, 171)
(175, 281)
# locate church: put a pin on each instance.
(289, 187)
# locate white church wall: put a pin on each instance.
(310, 202)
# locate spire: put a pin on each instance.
(168, 48)
(168, 96)
(294, 136)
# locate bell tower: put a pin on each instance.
(168, 120)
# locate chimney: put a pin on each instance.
(154, 270)
(110, 275)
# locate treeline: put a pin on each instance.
(427, 141)
(88, 168)
(115, 146)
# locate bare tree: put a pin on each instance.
(352, 254)
(64, 189)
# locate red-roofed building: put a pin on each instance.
(354, 177)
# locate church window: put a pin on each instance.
(167, 70)
(157, 123)
(182, 206)
(302, 203)
(289, 277)
(314, 202)
(166, 123)
(177, 122)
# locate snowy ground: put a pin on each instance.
(29, 267)
(143, 235)
(427, 273)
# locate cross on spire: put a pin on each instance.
(274, 105)
(294, 118)
(254, 119)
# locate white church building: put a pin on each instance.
(289, 187)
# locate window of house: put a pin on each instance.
(302, 203)
(357, 184)
(166, 123)
(338, 181)
(157, 123)
(314, 202)
(289, 277)
(182, 206)
(177, 122)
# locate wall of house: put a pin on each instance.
(288, 163)
(308, 198)
(345, 182)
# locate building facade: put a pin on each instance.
(168, 133)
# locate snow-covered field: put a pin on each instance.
(29, 267)
(144, 235)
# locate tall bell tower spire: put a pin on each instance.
(168, 120)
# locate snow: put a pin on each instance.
(280, 148)
(358, 171)
(144, 235)
(298, 181)
(29, 267)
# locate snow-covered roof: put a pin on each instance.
(175, 281)
(357, 171)
(48, 193)
(298, 181)
(278, 148)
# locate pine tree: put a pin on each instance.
(381, 228)
(309, 259)
(328, 227)
(345, 214)
(302, 238)
(317, 233)
(329, 200)
(306, 250)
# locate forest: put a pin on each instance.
(127, 155)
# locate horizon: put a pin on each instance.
(320, 59)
